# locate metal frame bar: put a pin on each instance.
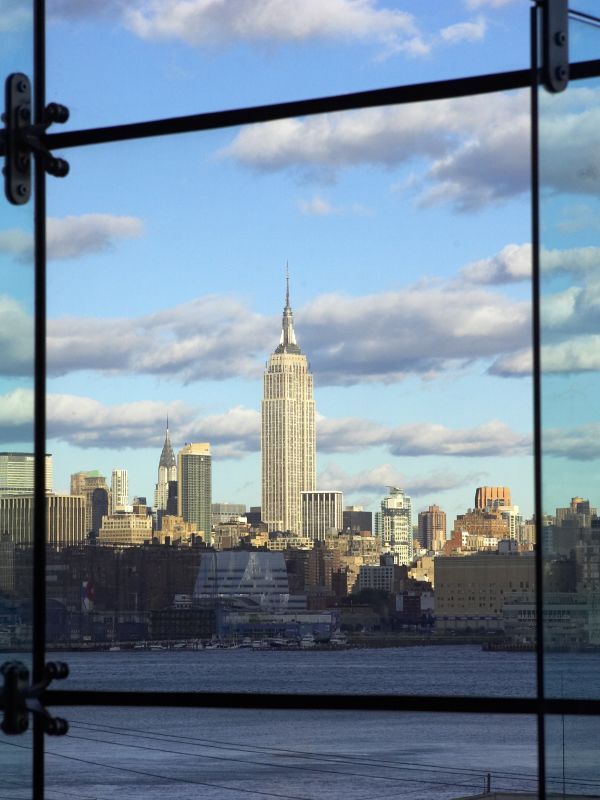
(437, 90)
(39, 506)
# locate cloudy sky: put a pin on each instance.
(406, 230)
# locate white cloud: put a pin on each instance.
(464, 32)
(578, 444)
(17, 243)
(73, 237)
(375, 481)
(479, 152)
(512, 263)
(16, 416)
(218, 22)
(375, 338)
(492, 438)
(574, 355)
(16, 338)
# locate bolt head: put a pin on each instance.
(21, 189)
(560, 38)
(561, 73)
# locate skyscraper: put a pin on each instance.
(393, 525)
(119, 486)
(288, 431)
(167, 471)
(194, 486)
(432, 528)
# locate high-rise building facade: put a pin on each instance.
(167, 471)
(16, 473)
(492, 495)
(85, 484)
(288, 445)
(65, 519)
(432, 528)
(322, 514)
(119, 486)
(194, 486)
(393, 525)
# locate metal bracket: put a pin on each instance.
(22, 138)
(18, 699)
(555, 45)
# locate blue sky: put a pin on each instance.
(406, 231)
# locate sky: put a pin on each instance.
(406, 229)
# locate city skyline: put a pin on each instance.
(407, 231)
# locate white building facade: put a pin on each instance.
(288, 444)
(393, 525)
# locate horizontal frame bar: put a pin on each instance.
(324, 702)
(397, 95)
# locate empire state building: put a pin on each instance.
(288, 431)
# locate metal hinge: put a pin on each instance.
(18, 698)
(22, 138)
(555, 44)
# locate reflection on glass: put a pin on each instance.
(220, 754)
(572, 756)
(333, 466)
(16, 407)
(570, 266)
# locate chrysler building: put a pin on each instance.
(167, 471)
(288, 431)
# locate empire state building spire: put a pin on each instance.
(288, 446)
(287, 340)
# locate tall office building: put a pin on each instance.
(194, 486)
(432, 528)
(167, 471)
(16, 473)
(393, 525)
(322, 514)
(119, 486)
(85, 484)
(288, 431)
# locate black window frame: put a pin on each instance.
(538, 706)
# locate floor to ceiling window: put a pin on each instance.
(373, 249)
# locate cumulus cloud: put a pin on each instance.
(577, 444)
(16, 416)
(513, 263)
(375, 338)
(478, 153)
(15, 15)
(493, 438)
(16, 338)
(374, 481)
(575, 355)
(72, 237)
(208, 22)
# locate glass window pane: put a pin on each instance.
(185, 754)
(16, 416)
(144, 60)
(409, 262)
(570, 263)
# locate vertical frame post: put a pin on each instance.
(555, 44)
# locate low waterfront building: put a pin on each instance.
(471, 590)
(257, 576)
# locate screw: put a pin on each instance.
(21, 190)
(25, 113)
(561, 73)
(560, 38)
(21, 86)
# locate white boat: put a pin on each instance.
(308, 640)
